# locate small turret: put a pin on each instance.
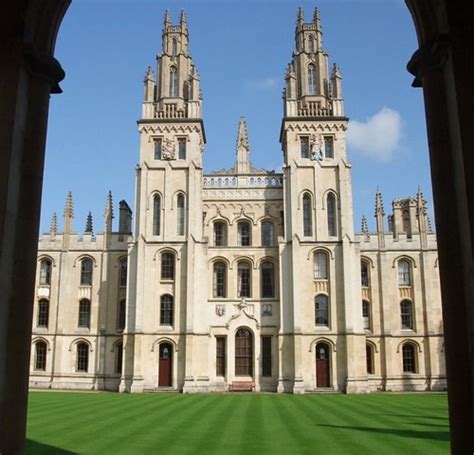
(89, 228)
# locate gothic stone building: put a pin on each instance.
(242, 279)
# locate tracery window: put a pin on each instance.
(311, 44)
(321, 310)
(364, 274)
(123, 272)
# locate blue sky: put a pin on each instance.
(241, 49)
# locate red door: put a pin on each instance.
(165, 366)
(322, 365)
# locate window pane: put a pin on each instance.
(304, 146)
(321, 310)
(370, 360)
(82, 361)
(181, 214)
(219, 284)
(406, 312)
(167, 266)
(157, 149)
(366, 314)
(220, 234)
(45, 272)
(220, 356)
(84, 313)
(119, 358)
(331, 208)
(121, 314)
(156, 214)
(123, 273)
(173, 82)
(166, 312)
(307, 218)
(86, 272)
(364, 274)
(329, 147)
(243, 229)
(266, 356)
(268, 280)
(243, 353)
(267, 233)
(404, 275)
(40, 356)
(43, 313)
(320, 266)
(409, 360)
(244, 280)
(182, 148)
(311, 80)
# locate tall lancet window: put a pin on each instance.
(173, 81)
(311, 45)
(156, 214)
(311, 80)
(307, 221)
(180, 203)
(331, 207)
(174, 47)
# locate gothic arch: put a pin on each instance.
(38, 339)
(244, 258)
(406, 258)
(164, 339)
(368, 260)
(373, 345)
(215, 259)
(42, 257)
(409, 341)
(166, 249)
(312, 251)
(300, 199)
(76, 341)
(328, 341)
(81, 257)
(325, 198)
(116, 343)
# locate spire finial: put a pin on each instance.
(182, 19)
(242, 135)
(379, 203)
(69, 208)
(167, 20)
(54, 224)
(300, 16)
(317, 18)
(149, 74)
(89, 229)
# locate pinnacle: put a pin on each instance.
(109, 207)
(69, 208)
(54, 224)
(242, 135)
(89, 229)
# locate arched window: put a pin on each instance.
(86, 272)
(123, 272)
(244, 280)
(267, 234)
(406, 314)
(268, 280)
(82, 357)
(320, 265)
(307, 218)
(409, 358)
(156, 214)
(366, 314)
(40, 355)
(243, 353)
(167, 266)
(220, 233)
(166, 310)
(118, 358)
(173, 82)
(369, 353)
(84, 319)
(243, 233)
(180, 204)
(220, 279)
(45, 272)
(174, 47)
(404, 273)
(331, 209)
(43, 313)
(122, 311)
(364, 274)
(311, 80)
(311, 44)
(321, 310)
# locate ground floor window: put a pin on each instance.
(220, 356)
(409, 358)
(119, 358)
(243, 352)
(40, 356)
(369, 352)
(82, 360)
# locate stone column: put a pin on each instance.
(443, 67)
(28, 75)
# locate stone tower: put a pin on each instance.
(167, 257)
(318, 217)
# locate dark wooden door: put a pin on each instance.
(322, 365)
(165, 366)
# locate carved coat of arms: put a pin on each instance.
(169, 150)
(316, 147)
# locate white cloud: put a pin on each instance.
(378, 137)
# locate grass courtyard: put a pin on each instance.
(110, 423)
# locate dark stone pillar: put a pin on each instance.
(444, 67)
(27, 77)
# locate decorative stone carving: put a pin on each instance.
(267, 309)
(168, 150)
(220, 310)
(316, 142)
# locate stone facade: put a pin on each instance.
(243, 279)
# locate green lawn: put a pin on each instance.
(111, 423)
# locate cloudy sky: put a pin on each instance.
(241, 49)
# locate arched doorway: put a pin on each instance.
(244, 353)
(165, 366)
(323, 365)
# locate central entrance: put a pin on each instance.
(165, 365)
(243, 352)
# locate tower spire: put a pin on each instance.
(89, 229)
(242, 148)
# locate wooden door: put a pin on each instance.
(243, 353)
(165, 365)
(322, 365)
